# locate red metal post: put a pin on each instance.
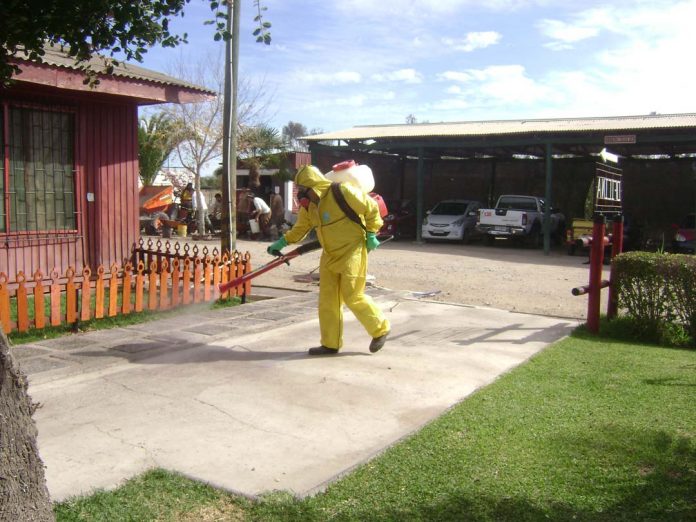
(596, 259)
(616, 249)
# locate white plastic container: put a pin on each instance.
(357, 175)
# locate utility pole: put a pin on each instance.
(229, 134)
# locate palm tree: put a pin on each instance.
(158, 136)
(256, 144)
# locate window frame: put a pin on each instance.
(71, 232)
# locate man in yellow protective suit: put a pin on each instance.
(343, 263)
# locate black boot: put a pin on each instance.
(322, 350)
(378, 342)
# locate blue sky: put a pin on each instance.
(336, 64)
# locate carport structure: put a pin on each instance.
(565, 143)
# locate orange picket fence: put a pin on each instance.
(158, 277)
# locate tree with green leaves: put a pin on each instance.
(106, 27)
(158, 136)
(256, 145)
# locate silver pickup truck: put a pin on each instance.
(518, 217)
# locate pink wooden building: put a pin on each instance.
(69, 163)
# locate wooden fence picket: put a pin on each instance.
(207, 278)
(127, 280)
(173, 276)
(113, 291)
(99, 294)
(85, 307)
(176, 275)
(197, 271)
(39, 302)
(225, 274)
(139, 287)
(5, 318)
(163, 283)
(55, 299)
(186, 282)
(70, 296)
(22, 303)
(152, 286)
(245, 270)
(217, 272)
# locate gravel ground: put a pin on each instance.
(502, 276)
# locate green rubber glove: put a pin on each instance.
(371, 241)
(277, 246)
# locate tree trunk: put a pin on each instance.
(23, 492)
(254, 178)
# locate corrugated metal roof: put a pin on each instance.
(55, 57)
(505, 127)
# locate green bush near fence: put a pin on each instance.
(656, 296)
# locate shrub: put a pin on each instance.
(658, 291)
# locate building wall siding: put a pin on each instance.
(106, 163)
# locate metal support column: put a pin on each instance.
(547, 198)
(419, 195)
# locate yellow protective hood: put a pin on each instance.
(311, 177)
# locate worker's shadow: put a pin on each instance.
(195, 353)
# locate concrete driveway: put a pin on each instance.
(229, 397)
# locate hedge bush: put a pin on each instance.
(658, 290)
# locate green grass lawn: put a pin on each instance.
(587, 430)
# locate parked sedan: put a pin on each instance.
(452, 219)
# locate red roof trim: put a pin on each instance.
(144, 92)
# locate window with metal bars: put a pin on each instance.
(38, 173)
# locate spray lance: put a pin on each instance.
(279, 260)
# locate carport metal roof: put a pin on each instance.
(655, 134)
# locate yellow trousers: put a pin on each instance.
(335, 290)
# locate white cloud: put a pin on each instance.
(563, 35)
(456, 76)
(473, 41)
(357, 100)
(425, 8)
(642, 70)
(335, 78)
(496, 85)
(401, 75)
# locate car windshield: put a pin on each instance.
(450, 208)
(688, 221)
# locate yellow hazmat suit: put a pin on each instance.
(343, 265)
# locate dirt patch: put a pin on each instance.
(502, 276)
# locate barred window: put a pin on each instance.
(39, 185)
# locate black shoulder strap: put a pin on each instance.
(345, 207)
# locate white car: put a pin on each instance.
(453, 219)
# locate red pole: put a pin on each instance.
(596, 259)
(616, 249)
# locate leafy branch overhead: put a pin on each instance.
(83, 28)
(262, 33)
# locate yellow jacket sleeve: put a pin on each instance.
(301, 227)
